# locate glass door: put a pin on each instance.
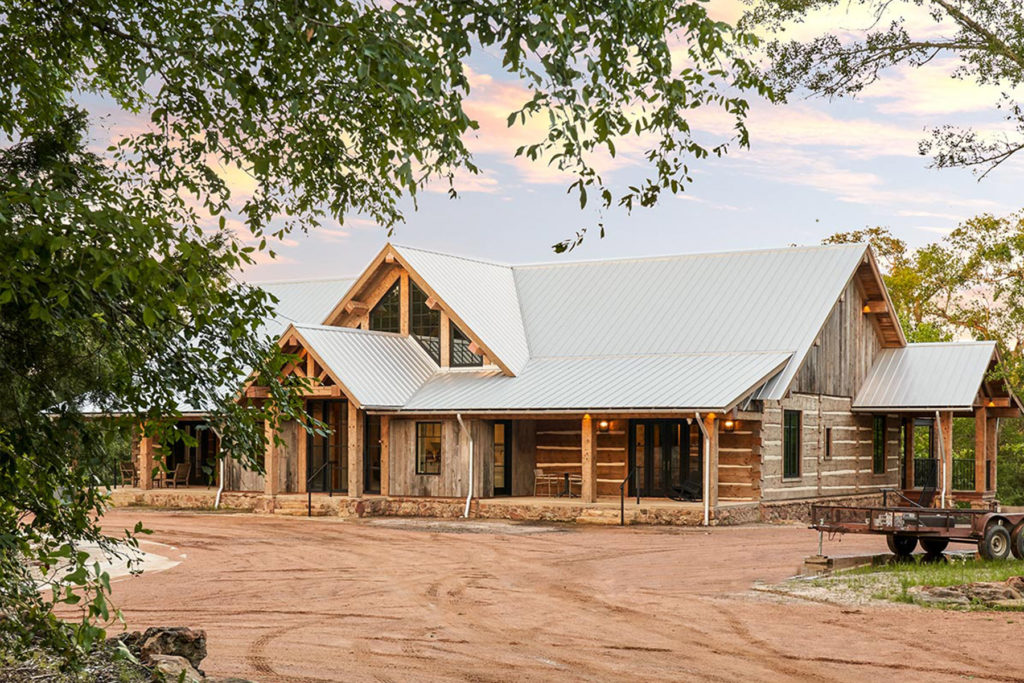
(662, 459)
(327, 454)
(371, 454)
(502, 458)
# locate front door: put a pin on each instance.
(327, 454)
(502, 458)
(371, 454)
(664, 458)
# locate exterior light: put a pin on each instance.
(991, 403)
(602, 426)
(867, 309)
(729, 425)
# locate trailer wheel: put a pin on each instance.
(1017, 542)
(934, 546)
(901, 546)
(996, 543)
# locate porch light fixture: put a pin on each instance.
(991, 403)
(728, 425)
(602, 426)
(867, 308)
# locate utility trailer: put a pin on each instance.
(997, 534)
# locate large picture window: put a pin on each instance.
(461, 356)
(791, 444)
(386, 316)
(428, 448)
(878, 445)
(424, 323)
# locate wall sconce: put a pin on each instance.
(728, 425)
(602, 426)
(867, 308)
(991, 404)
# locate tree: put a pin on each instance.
(116, 288)
(983, 38)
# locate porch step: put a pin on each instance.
(600, 516)
(298, 508)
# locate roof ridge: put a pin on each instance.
(701, 254)
(258, 283)
(338, 328)
(472, 259)
(669, 354)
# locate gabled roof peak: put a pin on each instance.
(472, 259)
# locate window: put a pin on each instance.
(828, 443)
(461, 356)
(428, 448)
(878, 445)
(424, 323)
(791, 439)
(386, 316)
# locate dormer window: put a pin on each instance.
(386, 316)
(461, 356)
(424, 322)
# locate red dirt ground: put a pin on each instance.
(293, 599)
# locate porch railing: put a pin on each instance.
(963, 474)
(926, 473)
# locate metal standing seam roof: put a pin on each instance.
(379, 369)
(302, 301)
(705, 381)
(944, 375)
(482, 294)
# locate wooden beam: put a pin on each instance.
(385, 455)
(271, 468)
(475, 348)
(446, 341)
(389, 258)
(908, 452)
(711, 424)
(1003, 412)
(355, 451)
(876, 306)
(403, 307)
(980, 448)
(433, 304)
(302, 460)
(588, 494)
(998, 402)
(946, 464)
(146, 447)
(357, 307)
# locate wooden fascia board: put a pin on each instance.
(320, 361)
(876, 271)
(452, 316)
(364, 278)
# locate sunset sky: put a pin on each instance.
(815, 167)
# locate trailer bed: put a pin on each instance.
(955, 524)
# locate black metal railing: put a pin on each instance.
(329, 466)
(622, 496)
(963, 474)
(926, 473)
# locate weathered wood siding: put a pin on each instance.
(559, 449)
(847, 471)
(847, 347)
(453, 481)
(739, 459)
(238, 478)
(288, 467)
(524, 456)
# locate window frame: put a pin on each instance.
(418, 310)
(787, 433)
(453, 330)
(421, 439)
(394, 291)
(879, 425)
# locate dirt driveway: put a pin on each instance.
(312, 600)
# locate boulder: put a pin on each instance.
(176, 641)
(1016, 583)
(170, 668)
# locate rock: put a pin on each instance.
(939, 594)
(1013, 604)
(177, 641)
(172, 667)
(989, 591)
(1016, 583)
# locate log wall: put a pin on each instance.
(558, 445)
(739, 459)
(453, 481)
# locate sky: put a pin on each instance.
(815, 167)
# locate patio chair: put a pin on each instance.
(542, 478)
(179, 477)
(129, 475)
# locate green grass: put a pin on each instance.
(893, 582)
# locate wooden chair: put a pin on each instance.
(179, 477)
(541, 478)
(129, 475)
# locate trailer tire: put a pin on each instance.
(934, 546)
(1017, 542)
(996, 543)
(901, 546)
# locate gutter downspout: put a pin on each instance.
(942, 454)
(707, 468)
(469, 496)
(220, 487)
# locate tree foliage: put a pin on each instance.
(983, 39)
(116, 292)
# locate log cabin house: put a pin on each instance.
(742, 381)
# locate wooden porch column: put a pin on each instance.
(980, 447)
(385, 455)
(403, 305)
(271, 464)
(908, 452)
(146, 446)
(992, 436)
(589, 462)
(946, 465)
(711, 425)
(355, 451)
(301, 465)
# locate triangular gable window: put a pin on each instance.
(461, 356)
(386, 316)
(424, 322)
